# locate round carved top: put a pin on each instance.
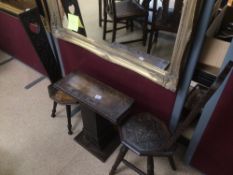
(145, 134)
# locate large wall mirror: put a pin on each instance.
(116, 31)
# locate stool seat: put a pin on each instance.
(145, 135)
(60, 96)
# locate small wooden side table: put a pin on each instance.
(102, 107)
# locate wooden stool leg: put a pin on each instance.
(172, 162)
(54, 109)
(68, 112)
(119, 158)
(150, 165)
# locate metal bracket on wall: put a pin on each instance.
(34, 82)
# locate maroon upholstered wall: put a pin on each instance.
(148, 95)
(14, 40)
(214, 155)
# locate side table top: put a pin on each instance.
(101, 98)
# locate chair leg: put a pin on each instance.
(100, 13)
(150, 42)
(54, 109)
(127, 24)
(105, 24)
(131, 25)
(156, 36)
(114, 30)
(172, 162)
(68, 112)
(145, 30)
(150, 165)
(119, 158)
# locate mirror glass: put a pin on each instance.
(149, 37)
(162, 44)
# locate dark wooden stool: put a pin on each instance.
(145, 135)
(59, 97)
(148, 136)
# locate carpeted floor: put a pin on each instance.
(33, 143)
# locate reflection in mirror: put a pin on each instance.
(71, 16)
(161, 18)
(168, 24)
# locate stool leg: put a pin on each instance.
(54, 109)
(150, 165)
(119, 158)
(68, 112)
(172, 162)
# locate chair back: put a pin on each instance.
(169, 20)
(110, 7)
(176, 12)
(39, 40)
(199, 104)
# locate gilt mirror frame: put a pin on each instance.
(166, 78)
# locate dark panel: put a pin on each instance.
(37, 34)
(15, 42)
(214, 154)
(148, 95)
(77, 12)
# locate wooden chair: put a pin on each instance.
(148, 136)
(100, 5)
(37, 34)
(124, 11)
(164, 19)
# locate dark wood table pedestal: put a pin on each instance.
(98, 136)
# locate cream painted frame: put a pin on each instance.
(166, 78)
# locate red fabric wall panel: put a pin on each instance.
(148, 95)
(214, 155)
(14, 40)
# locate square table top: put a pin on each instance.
(101, 98)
